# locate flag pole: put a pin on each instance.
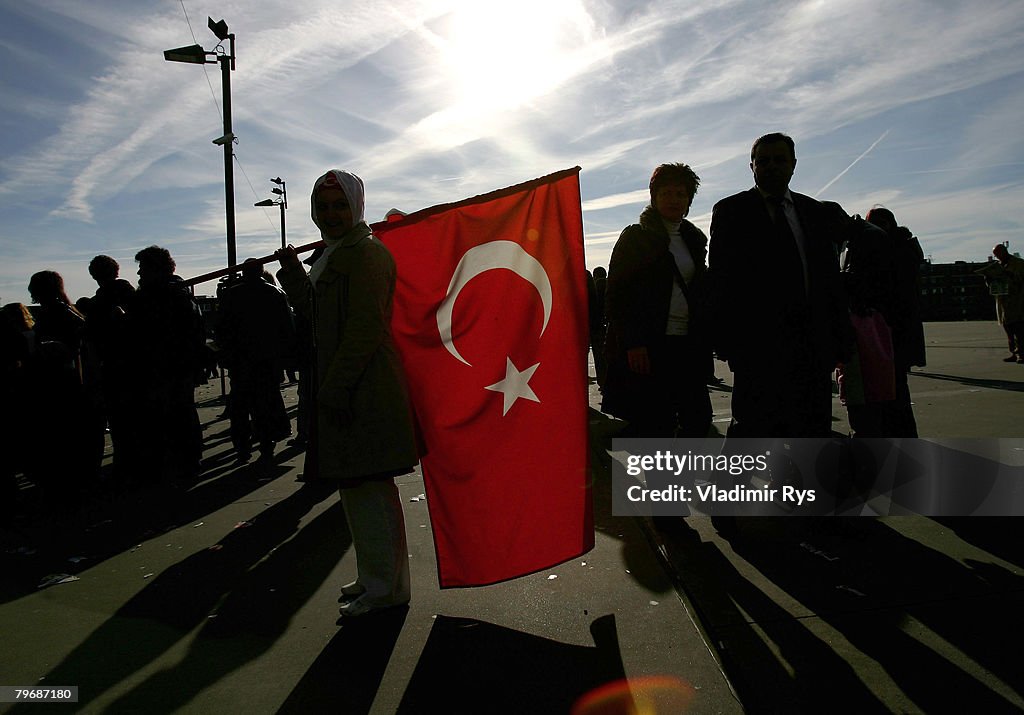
(305, 248)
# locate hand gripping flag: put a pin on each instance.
(490, 317)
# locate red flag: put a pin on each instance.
(490, 317)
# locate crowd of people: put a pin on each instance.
(789, 291)
(124, 360)
(127, 361)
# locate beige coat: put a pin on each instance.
(357, 367)
(1009, 306)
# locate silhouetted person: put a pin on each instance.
(167, 341)
(306, 362)
(903, 314)
(1005, 278)
(780, 315)
(56, 319)
(60, 456)
(597, 324)
(257, 336)
(364, 434)
(591, 308)
(657, 357)
(17, 346)
(868, 380)
(106, 341)
(301, 362)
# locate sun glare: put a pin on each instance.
(504, 54)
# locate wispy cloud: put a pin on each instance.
(421, 99)
(629, 198)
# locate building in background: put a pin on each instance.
(953, 291)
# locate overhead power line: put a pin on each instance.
(208, 81)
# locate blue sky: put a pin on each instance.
(106, 147)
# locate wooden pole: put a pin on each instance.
(305, 248)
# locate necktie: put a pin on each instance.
(791, 266)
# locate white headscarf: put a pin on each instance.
(351, 184)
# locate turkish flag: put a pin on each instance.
(490, 318)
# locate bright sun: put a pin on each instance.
(504, 54)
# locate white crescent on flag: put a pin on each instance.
(487, 257)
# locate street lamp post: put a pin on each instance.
(195, 54)
(282, 202)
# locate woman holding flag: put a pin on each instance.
(363, 435)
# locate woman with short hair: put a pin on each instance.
(657, 353)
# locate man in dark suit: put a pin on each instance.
(780, 315)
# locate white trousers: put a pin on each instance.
(377, 524)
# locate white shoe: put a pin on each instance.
(350, 591)
(360, 607)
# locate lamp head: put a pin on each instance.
(193, 54)
(220, 29)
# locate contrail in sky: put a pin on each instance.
(853, 163)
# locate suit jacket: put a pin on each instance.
(759, 321)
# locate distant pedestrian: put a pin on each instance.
(106, 342)
(598, 324)
(165, 329)
(1005, 278)
(257, 336)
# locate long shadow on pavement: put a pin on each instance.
(927, 620)
(470, 666)
(187, 595)
(256, 612)
(998, 535)
(723, 598)
(110, 527)
(347, 674)
(779, 608)
(1012, 385)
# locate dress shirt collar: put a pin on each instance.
(787, 198)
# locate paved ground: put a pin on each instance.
(899, 614)
(222, 598)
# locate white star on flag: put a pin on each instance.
(515, 385)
